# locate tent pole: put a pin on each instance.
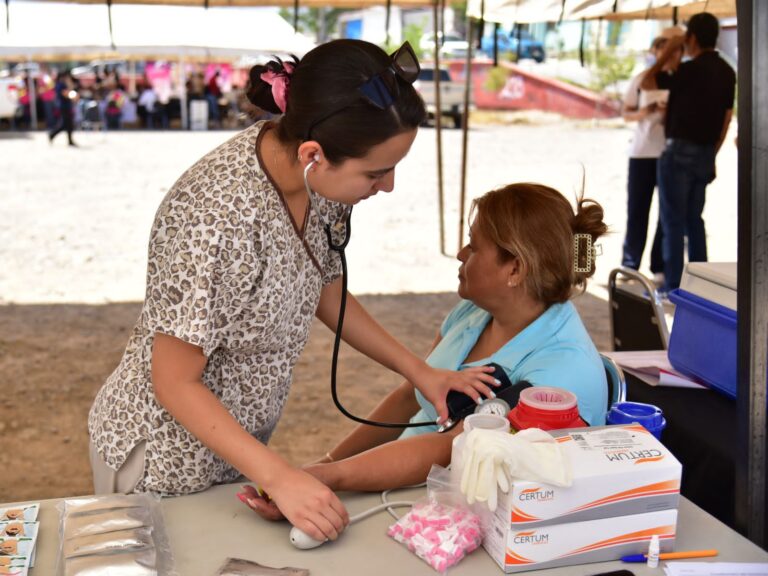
(295, 15)
(752, 325)
(387, 20)
(32, 97)
(465, 133)
(481, 25)
(438, 130)
(132, 77)
(109, 16)
(183, 92)
(495, 43)
(7, 15)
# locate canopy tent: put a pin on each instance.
(753, 184)
(143, 32)
(527, 11)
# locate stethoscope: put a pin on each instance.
(339, 248)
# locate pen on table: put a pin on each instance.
(671, 555)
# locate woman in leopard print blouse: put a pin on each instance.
(239, 266)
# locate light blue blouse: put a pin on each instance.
(554, 350)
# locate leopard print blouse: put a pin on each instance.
(229, 272)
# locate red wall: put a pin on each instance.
(528, 91)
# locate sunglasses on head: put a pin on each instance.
(381, 90)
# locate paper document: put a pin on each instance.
(652, 367)
(715, 569)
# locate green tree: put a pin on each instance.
(411, 33)
(609, 69)
(320, 22)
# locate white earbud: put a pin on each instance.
(316, 158)
(304, 541)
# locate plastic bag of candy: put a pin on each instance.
(439, 533)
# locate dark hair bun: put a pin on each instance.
(258, 92)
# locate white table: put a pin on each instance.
(206, 528)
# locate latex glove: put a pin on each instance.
(493, 459)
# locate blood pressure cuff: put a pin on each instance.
(460, 405)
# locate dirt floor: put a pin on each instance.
(54, 358)
(73, 252)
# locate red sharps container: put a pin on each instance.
(547, 408)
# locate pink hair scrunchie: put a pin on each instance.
(279, 81)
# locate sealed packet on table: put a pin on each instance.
(27, 513)
(16, 553)
(119, 535)
(16, 528)
(13, 565)
(238, 567)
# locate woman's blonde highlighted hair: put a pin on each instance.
(537, 224)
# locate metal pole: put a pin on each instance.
(388, 16)
(438, 130)
(132, 77)
(496, 43)
(183, 92)
(465, 135)
(109, 16)
(295, 15)
(31, 90)
(751, 497)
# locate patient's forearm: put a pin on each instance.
(391, 465)
(398, 406)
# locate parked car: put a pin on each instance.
(454, 46)
(451, 94)
(507, 44)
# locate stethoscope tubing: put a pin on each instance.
(339, 248)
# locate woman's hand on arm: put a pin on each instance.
(364, 334)
(177, 369)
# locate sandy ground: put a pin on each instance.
(73, 254)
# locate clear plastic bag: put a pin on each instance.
(120, 541)
(440, 530)
(141, 563)
(119, 535)
(238, 567)
(108, 521)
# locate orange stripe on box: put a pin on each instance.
(520, 516)
(618, 542)
(654, 459)
(513, 558)
(661, 531)
(529, 490)
(665, 487)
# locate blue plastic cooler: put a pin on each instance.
(703, 341)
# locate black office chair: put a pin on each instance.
(637, 314)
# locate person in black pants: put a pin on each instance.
(65, 98)
(700, 107)
(645, 108)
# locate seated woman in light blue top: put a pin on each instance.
(516, 277)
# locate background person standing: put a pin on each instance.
(647, 109)
(700, 107)
(65, 99)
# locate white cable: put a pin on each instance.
(386, 493)
(379, 508)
